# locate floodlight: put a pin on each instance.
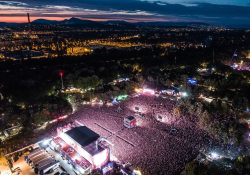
(45, 142)
(214, 155)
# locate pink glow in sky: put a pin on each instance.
(209, 11)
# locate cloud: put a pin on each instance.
(125, 9)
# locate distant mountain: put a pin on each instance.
(76, 21)
(66, 21)
(86, 22)
(44, 21)
(81, 21)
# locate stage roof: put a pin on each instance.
(130, 118)
(91, 149)
(83, 135)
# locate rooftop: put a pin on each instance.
(130, 118)
(83, 135)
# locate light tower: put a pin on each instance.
(61, 74)
(29, 23)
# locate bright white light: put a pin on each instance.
(45, 142)
(214, 155)
(184, 94)
(148, 90)
(137, 172)
(100, 158)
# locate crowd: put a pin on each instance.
(152, 147)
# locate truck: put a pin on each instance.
(42, 150)
(33, 155)
(33, 152)
(50, 167)
(38, 158)
(38, 162)
(42, 162)
(29, 160)
(40, 167)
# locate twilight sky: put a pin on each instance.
(218, 12)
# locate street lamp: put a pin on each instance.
(61, 74)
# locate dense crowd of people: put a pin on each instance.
(153, 147)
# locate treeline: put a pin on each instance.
(225, 128)
(83, 82)
(225, 166)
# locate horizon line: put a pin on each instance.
(25, 20)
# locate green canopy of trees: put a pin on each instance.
(88, 82)
(224, 166)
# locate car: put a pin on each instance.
(64, 173)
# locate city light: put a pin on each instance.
(184, 94)
(214, 155)
(192, 81)
(45, 142)
(148, 90)
(120, 91)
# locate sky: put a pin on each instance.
(216, 12)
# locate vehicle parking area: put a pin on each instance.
(21, 167)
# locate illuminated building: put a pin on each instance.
(12, 131)
(82, 147)
(192, 81)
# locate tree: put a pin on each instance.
(82, 83)
(242, 164)
(224, 107)
(199, 108)
(88, 82)
(205, 120)
(70, 80)
(177, 112)
(40, 117)
(168, 83)
(240, 104)
(94, 81)
(195, 168)
(184, 79)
